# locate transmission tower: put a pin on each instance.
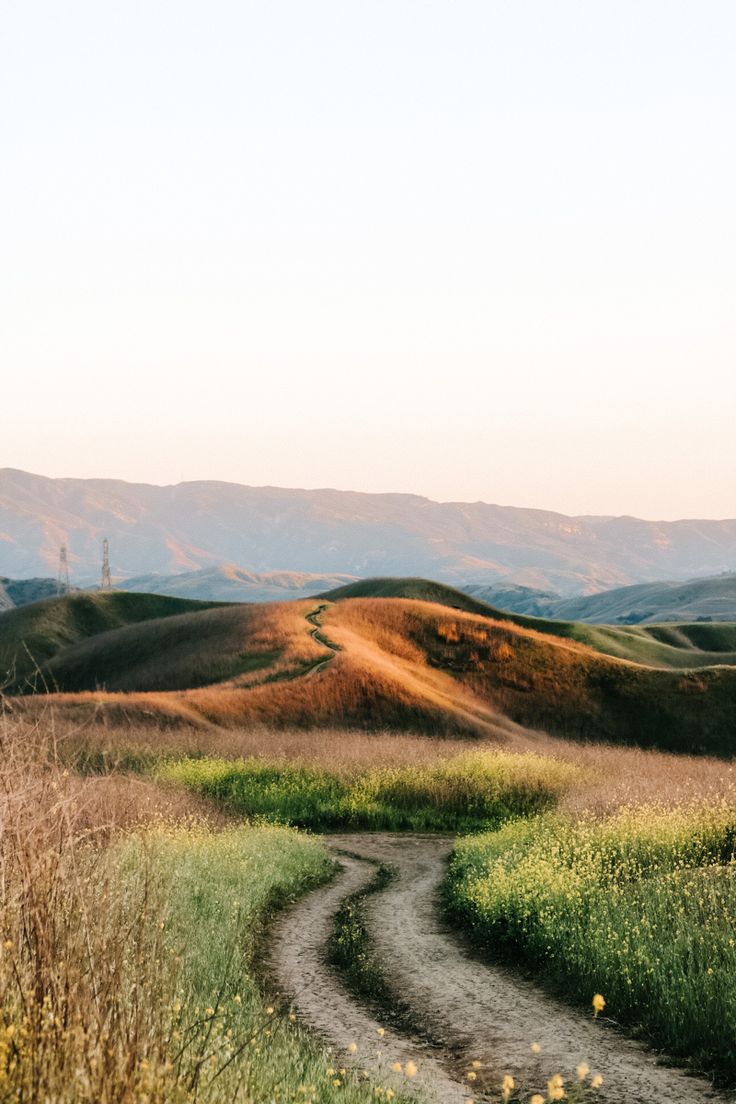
(62, 583)
(106, 582)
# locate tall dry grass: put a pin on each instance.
(82, 1018)
(611, 775)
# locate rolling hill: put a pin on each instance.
(674, 646)
(712, 599)
(198, 525)
(19, 592)
(229, 583)
(361, 661)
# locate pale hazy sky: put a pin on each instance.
(475, 250)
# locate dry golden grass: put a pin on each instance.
(611, 776)
(615, 776)
(68, 1026)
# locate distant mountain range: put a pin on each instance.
(203, 525)
(229, 583)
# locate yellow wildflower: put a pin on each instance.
(582, 1071)
(598, 1003)
(410, 1069)
(555, 1088)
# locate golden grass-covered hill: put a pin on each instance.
(391, 653)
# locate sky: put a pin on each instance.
(471, 250)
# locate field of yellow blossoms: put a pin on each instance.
(642, 904)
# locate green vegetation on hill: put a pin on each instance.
(423, 590)
(706, 599)
(640, 908)
(177, 652)
(427, 666)
(31, 635)
(713, 598)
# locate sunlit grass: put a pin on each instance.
(480, 789)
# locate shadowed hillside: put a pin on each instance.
(32, 635)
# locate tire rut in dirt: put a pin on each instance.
(484, 1012)
(297, 960)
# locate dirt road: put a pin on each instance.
(466, 1009)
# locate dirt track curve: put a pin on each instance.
(468, 1009)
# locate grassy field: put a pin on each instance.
(636, 903)
(640, 907)
(128, 949)
(458, 795)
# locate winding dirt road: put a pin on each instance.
(463, 1009)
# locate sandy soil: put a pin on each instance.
(469, 1008)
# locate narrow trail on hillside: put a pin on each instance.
(465, 1008)
(319, 637)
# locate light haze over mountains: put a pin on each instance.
(188, 527)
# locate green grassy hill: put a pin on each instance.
(178, 652)
(714, 598)
(32, 635)
(704, 599)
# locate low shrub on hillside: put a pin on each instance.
(640, 907)
(481, 789)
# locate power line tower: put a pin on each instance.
(106, 582)
(62, 582)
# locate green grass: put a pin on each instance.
(478, 790)
(219, 889)
(350, 950)
(641, 908)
